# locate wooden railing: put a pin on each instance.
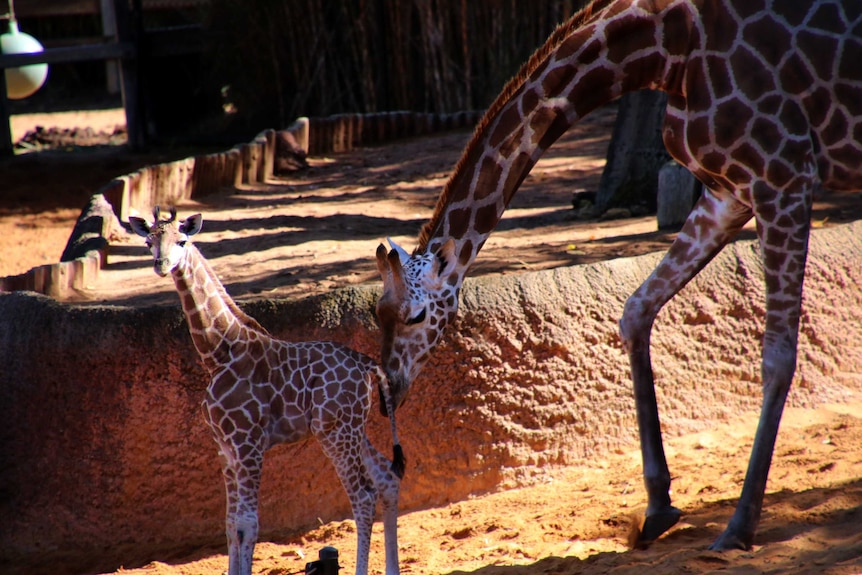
(169, 183)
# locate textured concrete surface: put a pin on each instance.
(102, 447)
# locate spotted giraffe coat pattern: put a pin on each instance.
(764, 107)
(265, 391)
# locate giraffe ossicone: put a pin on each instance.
(764, 107)
(402, 253)
(264, 391)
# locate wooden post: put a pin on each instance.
(130, 70)
(109, 29)
(6, 143)
(300, 129)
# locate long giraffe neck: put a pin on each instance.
(587, 62)
(215, 322)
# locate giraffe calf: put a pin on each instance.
(265, 391)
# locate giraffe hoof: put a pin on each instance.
(653, 526)
(729, 541)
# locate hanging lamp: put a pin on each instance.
(23, 81)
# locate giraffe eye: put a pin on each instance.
(418, 318)
(181, 243)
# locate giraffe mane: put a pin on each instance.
(229, 302)
(556, 38)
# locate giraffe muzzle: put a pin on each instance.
(398, 387)
(162, 266)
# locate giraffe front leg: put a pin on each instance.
(241, 521)
(242, 483)
(635, 328)
(713, 222)
(345, 448)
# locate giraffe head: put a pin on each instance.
(166, 240)
(420, 298)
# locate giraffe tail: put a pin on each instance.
(399, 462)
(384, 410)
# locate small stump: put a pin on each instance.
(678, 190)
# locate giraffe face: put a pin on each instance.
(166, 239)
(420, 298)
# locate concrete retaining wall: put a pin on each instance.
(104, 455)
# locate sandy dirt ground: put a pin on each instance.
(317, 230)
(578, 520)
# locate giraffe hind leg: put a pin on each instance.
(713, 222)
(740, 531)
(388, 483)
(784, 243)
(367, 479)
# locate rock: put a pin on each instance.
(95, 227)
(289, 155)
(616, 214)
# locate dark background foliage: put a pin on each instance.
(280, 60)
(266, 62)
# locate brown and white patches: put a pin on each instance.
(765, 105)
(264, 391)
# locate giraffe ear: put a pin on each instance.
(444, 258)
(192, 225)
(389, 266)
(397, 274)
(139, 226)
(383, 264)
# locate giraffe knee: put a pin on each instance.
(636, 321)
(243, 530)
(388, 485)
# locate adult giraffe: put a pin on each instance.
(764, 106)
